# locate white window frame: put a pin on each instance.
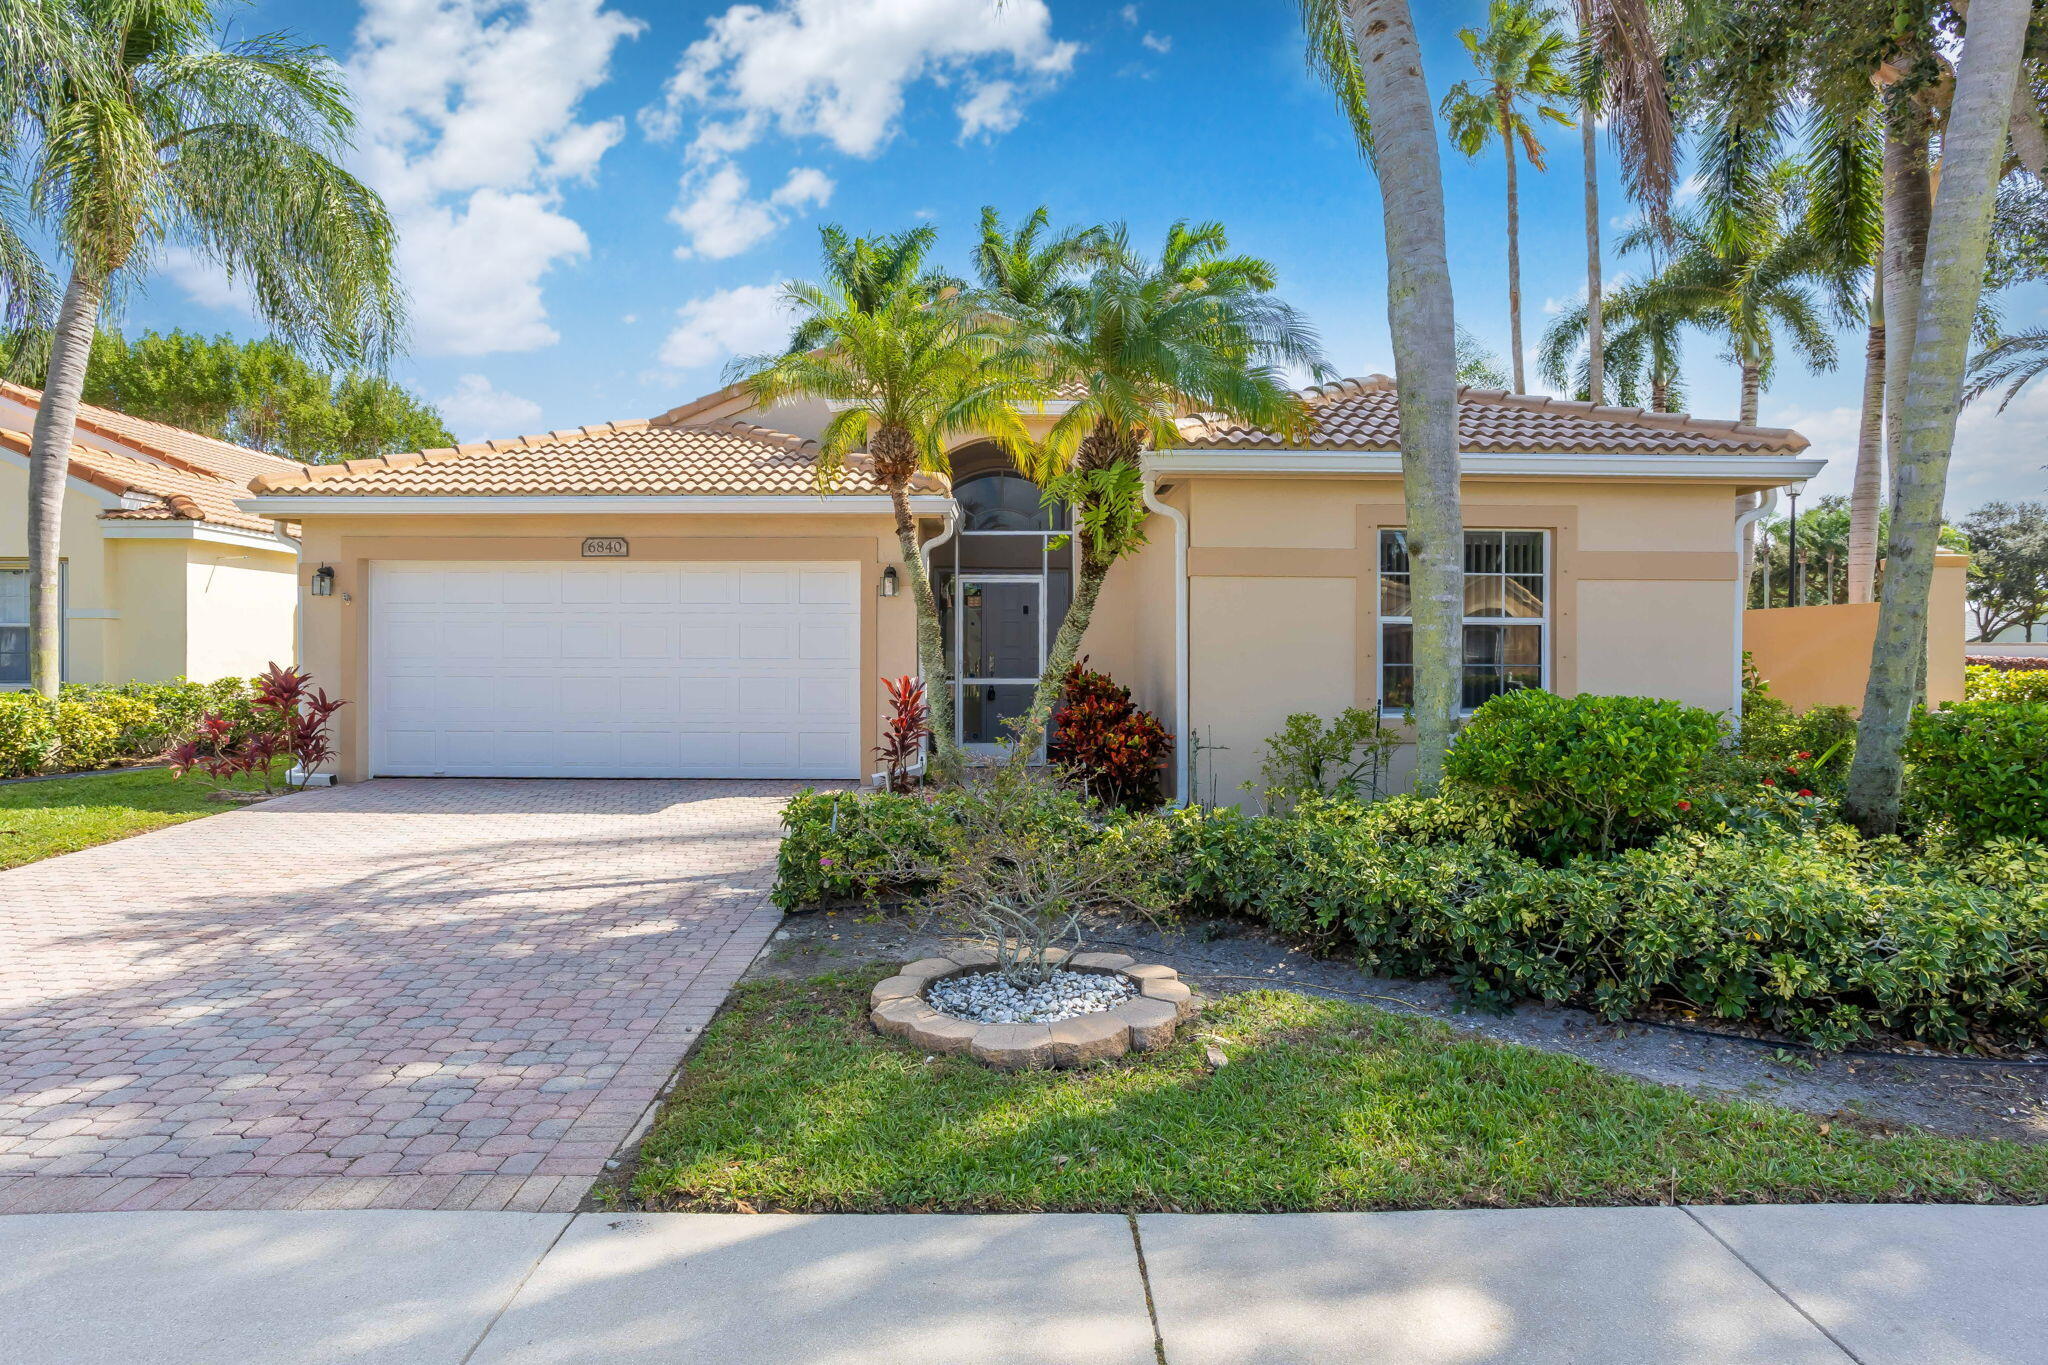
(1382, 621)
(63, 626)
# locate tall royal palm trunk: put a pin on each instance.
(1866, 495)
(1908, 201)
(895, 454)
(1507, 142)
(49, 465)
(1425, 365)
(1752, 387)
(1973, 146)
(1596, 337)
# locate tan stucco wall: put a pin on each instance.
(156, 609)
(1284, 614)
(335, 630)
(1820, 656)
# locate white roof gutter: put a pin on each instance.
(1739, 468)
(810, 504)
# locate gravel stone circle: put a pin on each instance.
(987, 998)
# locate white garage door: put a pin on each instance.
(614, 670)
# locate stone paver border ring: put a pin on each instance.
(1143, 1023)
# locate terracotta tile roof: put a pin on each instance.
(637, 458)
(201, 454)
(1360, 414)
(160, 491)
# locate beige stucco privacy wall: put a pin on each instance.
(153, 601)
(1283, 588)
(335, 629)
(1820, 656)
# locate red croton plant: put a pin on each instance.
(904, 734)
(1102, 737)
(291, 722)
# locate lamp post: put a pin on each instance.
(1794, 587)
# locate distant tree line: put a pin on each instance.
(257, 394)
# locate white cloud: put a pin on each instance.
(204, 282)
(1130, 15)
(719, 217)
(838, 69)
(2001, 454)
(991, 109)
(1160, 43)
(479, 411)
(470, 127)
(740, 321)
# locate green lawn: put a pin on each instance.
(41, 819)
(793, 1103)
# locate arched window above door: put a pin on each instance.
(1004, 502)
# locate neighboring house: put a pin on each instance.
(164, 574)
(674, 598)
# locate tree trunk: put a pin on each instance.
(49, 466)
(1866, 497)
(1660, 392)
(1973, 146)
(1596, 337)
(2028, 142)
(1419, 312)
(1906, 205)
(895, 459)
(1507, 142)
(1100, 449)
(1752, 384)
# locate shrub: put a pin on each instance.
(1111, 746)
(840, 845)
(1584, 773)
(1813, 932)
(1982, 767)
(904, 734)
(1982, 682)
(38, 735)
(1348, 758)
(289, 721)
(2021, 663)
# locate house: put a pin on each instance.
(674, 597)
(165, 575)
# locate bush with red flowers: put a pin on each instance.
(1111, 746)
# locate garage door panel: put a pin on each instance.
(594, 670)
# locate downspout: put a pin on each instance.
(1181, 756)
(1743, 521)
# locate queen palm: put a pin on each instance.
(1524, 65)
(1032, 268)
(136, 130)
(869, 271)
(1141, 341)
(908, 369)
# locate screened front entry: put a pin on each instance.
(1507, 616)
(1002, 591)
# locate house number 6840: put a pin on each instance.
(605, 547)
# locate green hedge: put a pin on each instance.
(1982, 682)
(90, 727)
(1982, 768)
(1808, 930)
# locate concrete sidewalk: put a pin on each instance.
(1908, 1284)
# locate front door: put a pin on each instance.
(999, 650)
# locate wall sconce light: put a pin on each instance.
(323, 581)
(889, 581)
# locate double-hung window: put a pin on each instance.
(1507, 616)
(13, 626)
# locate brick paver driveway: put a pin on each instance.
(404, 994)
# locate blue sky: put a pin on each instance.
(597, 197)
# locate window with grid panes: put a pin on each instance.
(1507, 616)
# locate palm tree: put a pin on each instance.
(1973, 148)
(1141, 342)
(870, 271)
(1366, 51)
(139, 131)
(1033, 268)
(1478, 367)
(1522, 59)
(1642, 352)
(907, 369)
(2014, 361)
